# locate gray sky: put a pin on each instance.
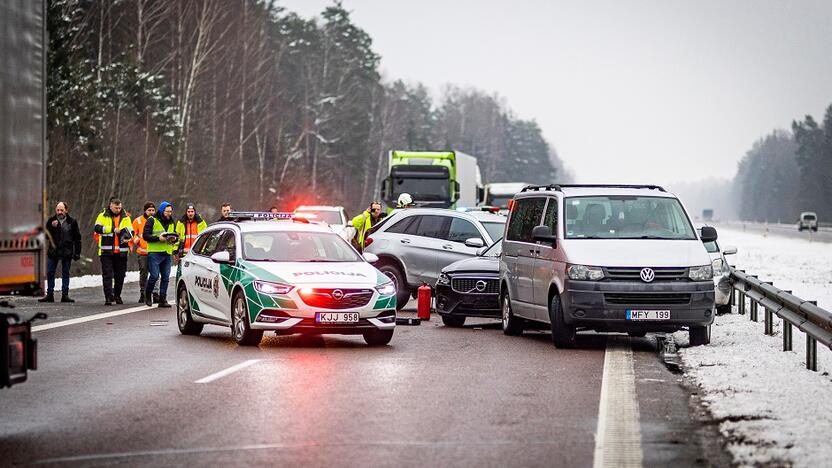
(628, 91)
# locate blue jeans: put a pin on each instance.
(158, 265)
(51, 268)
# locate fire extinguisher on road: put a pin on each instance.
(423, 302)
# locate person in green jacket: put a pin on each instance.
(114, 231)
(364, 222)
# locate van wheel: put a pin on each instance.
(454, 321)
(723, 309)
(512, 326)
(240, 329)
(699, 336)
(186, 322)
(402, 291)
(563, 334)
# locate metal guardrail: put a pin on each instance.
(749, 294)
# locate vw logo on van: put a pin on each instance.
(647, 275)
(337, 294)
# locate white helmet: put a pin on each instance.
(405, 200)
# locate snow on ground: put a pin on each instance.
(89, 281)
(769, 407)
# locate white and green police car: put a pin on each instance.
(272, 272)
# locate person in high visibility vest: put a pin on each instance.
(188, 227)
(364, 222)
(159, 233)
(114, 233)
(141, 246)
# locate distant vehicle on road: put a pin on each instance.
(808, 220)
(722, 274)
(334, 216)
(414, 244)
(500, 193)
(707, 214)
(619, 258)
(287, 277)
(436, 179)
(470, 287)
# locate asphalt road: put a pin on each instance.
(124, 390)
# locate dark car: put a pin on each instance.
(470, 287)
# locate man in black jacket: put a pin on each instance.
(64, 246)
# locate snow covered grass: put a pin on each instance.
(89, 281)
(772, 410)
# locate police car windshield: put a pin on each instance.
(292, 246)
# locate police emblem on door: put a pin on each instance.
(647, 275)
(216, 287)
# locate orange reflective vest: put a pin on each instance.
(138, 240)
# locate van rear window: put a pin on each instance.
(626, 217)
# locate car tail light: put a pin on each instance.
(511, 205)
(367, 242)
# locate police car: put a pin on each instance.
(277, 272)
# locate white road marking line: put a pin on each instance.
(89, 318)
(618, 437)
(230, 370)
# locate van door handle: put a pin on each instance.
(405, 241)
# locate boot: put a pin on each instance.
(148, 300)
(66, 298)
(49, 297)
(118, 300)
(163, 304)
(155, 298)
(141, 298)
(108, 300)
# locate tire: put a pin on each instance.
(563, 334)
(815, 229)
(637, 334)
(402, 291)
(699, 336)
(240, 329)
(186, 322)
(453, 321)
(723, 309)
(378, 337)
(800, 229)
(512, 326)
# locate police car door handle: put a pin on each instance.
(405, 241)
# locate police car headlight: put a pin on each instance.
(585, 273)
(443, 279)
(701, 273)
(386, 289)
(267, 287)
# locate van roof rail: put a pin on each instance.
(559, 187)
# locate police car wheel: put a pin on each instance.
(187, 325)
(378, 337)
(243, 334)
(512, 326)
(402, 291)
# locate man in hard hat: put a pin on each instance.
(405, 201)
(364, 222)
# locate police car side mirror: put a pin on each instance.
(221, 257)
(370, 257)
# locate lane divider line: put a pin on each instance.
(230, 370)
(89, 318)
(618, 437)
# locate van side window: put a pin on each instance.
(550, 219)
(526, 215)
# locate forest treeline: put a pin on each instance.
(208, 101)
(787, 172)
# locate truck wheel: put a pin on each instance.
(453, 321)
(186, 322)
(378, 337)
(240, 329)
(563, 334)
(512, 326)
(699, 336)
(402, 291)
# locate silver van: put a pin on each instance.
(616, 258)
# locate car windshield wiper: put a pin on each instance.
(649, 237)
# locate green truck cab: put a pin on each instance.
(435, 179)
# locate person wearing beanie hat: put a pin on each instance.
(159, 233)
(188, 227)
(141, 246)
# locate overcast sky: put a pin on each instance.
(627, 91)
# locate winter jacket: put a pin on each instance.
(114, 233)
(155, 226)
(138, 235)
(64, 239)
(188, 230)
(362, 223)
